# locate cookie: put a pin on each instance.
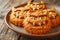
(37, 26)
(54, 17)
(17, 16)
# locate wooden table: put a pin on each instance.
(8, 34)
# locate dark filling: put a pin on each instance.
(34, 16)
(21, 17)
(17, 10)
(46, 22)
(18, 16)
(14, 14)
(37, 16)
(51, 11)
(26, 10)
(32, 23)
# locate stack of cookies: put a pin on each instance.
(35, 17)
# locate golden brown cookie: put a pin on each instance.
(40, 25)
(56, 21)
(35, 5)
(17, 16)
(54, 17)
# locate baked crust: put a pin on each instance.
(37, 26)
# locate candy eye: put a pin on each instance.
(53, 16)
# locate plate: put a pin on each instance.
(20, 30)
